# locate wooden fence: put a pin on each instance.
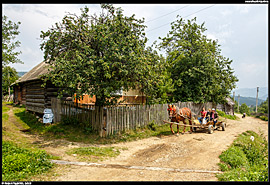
(113, 119)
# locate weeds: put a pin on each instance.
(246, 159)
(94, 154)
(19, 163)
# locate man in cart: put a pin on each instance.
(214, 117)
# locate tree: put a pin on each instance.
(263, 107)
(99, 55)
(198, 70)
(9, 76)
(244, 108)
(9, 33)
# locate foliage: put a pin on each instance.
(198, 70)
(99, 55)
(264, 118)
(94, 153)
(20, 163)
(9, 76)
(9, 33)
(263, 107)
(223, 114)
(244, 109)
(245, 160)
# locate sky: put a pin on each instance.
(241, 30)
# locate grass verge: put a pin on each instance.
(19, 163)
(94, 154)
(246, 159)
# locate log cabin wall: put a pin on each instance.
(35, 96)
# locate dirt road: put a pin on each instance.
(188, 157)
(190, 154)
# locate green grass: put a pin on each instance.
(74, 131)
(5, 115)
(19, 163)
(94, 154)
(222, 114)
(245, 160)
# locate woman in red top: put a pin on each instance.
(203, 115)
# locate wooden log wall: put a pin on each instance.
(35, 97)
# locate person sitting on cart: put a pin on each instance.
(208, 115)
(214, 117)
(203, 115)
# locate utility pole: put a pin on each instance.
(257, 98)
(238, 101)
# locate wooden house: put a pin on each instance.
(29, 92)
(228, 107)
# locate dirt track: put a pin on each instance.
(165, 158)
(197, 151)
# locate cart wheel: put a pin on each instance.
(210, 129)
(223, 126)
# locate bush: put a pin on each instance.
(245, 160)
(19, 163)
(265, 118)
(152, 126)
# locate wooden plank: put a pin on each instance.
(180, 124)
(35, 104)
(31, 96)
(35, 109)
(36, 100)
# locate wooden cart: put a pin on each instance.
(196, 125)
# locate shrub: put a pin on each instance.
(19, 163)
(246, 159)
(152, 126)
(265, 118)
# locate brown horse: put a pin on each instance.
(177, 115)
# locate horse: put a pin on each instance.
(177, 115)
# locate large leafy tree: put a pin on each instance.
(99, 55)
(198, 70)
(9, 32)
(9, 76)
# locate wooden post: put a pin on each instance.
(257, 98)
(238, 101)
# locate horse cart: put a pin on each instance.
(196, 125)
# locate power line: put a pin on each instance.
(183, 17)
(167, 14)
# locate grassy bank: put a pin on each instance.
(19, 163)
(246, 159)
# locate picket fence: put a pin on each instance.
(114, 119)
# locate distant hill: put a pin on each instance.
(251, 92)
(21, 73)
(248, 100)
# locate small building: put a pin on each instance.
(228, 107)
(28, 91)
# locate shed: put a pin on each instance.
(228, 107)
(28, 90)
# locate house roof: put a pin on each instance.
(35, 73)
(229, 101)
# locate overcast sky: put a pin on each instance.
(241, 30)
